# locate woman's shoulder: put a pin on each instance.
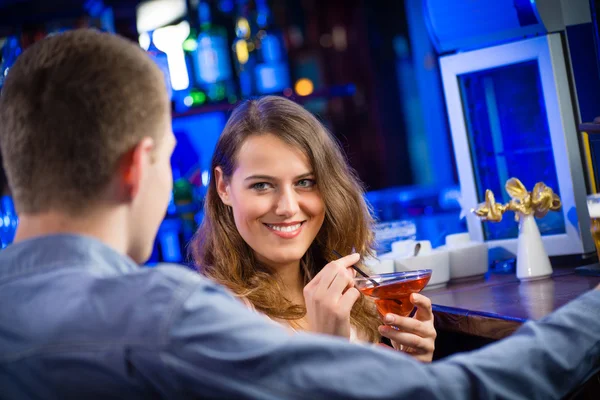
(250, 306)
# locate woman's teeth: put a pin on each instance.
(290, 228)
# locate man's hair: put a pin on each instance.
(72, 105)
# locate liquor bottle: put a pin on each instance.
(272, 71)
(243, 49)
(169, 237)
(8, 221)
(183, 197)
(196, 95)
(214, 73)
(160, 58)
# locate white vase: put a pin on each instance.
(532, 260)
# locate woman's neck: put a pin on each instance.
(293, 282)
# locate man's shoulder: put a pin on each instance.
(176, 275)
(173, 279)
(177, 283)
(176, 272)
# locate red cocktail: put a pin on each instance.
(392, 291)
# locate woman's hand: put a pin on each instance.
(415, 336)
(329, 297)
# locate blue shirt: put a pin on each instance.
(79, 320)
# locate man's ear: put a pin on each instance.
(222, 186)
(134, 166)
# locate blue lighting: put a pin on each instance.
(196, 136)
(226, 6)
(8, 221)
(271, 48)
(261, 19)
(272, 77)
(509, 136)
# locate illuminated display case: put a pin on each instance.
(511, 114)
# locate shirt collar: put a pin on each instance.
(64, 250)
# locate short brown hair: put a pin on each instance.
(222, 254)
(72, 105)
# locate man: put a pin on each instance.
(86, 140)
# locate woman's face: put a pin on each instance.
(276, 203)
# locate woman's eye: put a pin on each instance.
(260, 186)
(306, 183)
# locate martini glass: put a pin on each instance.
(392, 291)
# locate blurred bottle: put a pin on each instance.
(183, 197)
(8, 221)
(214, 73)
(10, 52)
(272, 70)
(169, 242)
(160, 58)
(196, 95)
(243, 48)
(168, 245)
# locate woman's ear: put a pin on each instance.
(222, 186)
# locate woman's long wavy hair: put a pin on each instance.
(220, 252)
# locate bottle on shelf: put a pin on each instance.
(8, 221)
(170, 244)
(183, 197)
(160, 58)
(272, 71)
(243, 49)
(213, 71)
(196, 96)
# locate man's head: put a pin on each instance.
(85, 123)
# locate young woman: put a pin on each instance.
(281, 198)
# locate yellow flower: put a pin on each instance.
(490, 210)
(538, 202)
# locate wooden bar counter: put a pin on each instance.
(472, 314)
(495, 306)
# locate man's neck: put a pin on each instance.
(106, 226)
